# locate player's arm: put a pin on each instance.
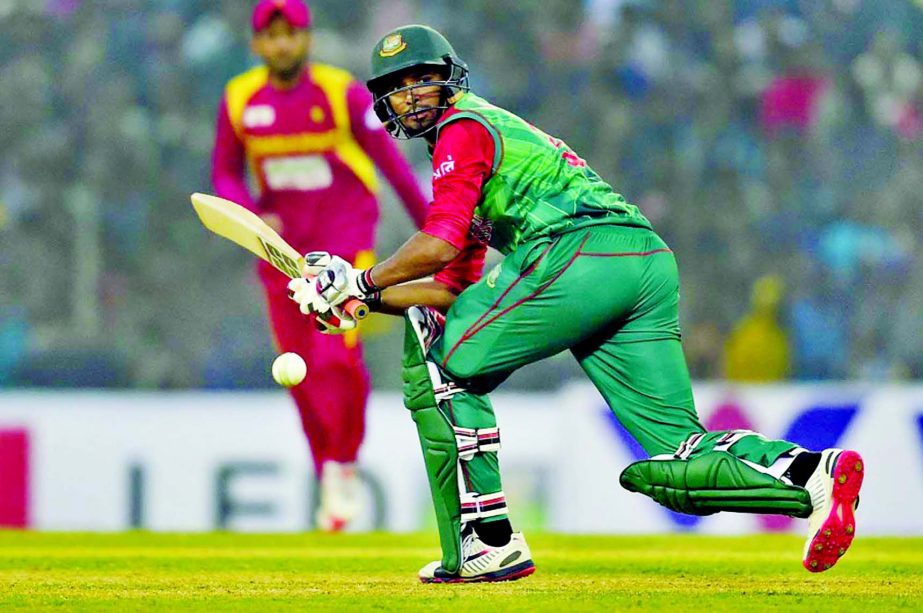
(421, 256)
(397, 299)
(464, 155)
(383, 150)
(440, 292)
(228, 162)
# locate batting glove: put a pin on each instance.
(304, 293)
(315, 262)
(339, 281)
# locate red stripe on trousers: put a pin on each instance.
(629, 254)
(480, 324)
(14, 478)
(522, 276)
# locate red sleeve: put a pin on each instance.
(465, 269)
(228, 161)
(379, 146)
(462, 162)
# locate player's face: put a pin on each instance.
(283, 48)
(419, 100)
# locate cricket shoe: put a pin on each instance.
(834, 489)
(340, 496)
(482, 563)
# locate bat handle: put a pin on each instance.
(356, 308)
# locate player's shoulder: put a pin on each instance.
(457, 124)
(250, 81)
(257, 74)
(332, 75)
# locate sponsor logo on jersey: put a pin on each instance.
(491, 278)
(317, 114)
(297, 172)
(481, 229)
(444, 168)
(259, 116)
(392, 45)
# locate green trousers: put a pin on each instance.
(610, 295)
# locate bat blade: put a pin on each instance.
(235, 223)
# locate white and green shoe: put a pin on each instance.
(483, 563)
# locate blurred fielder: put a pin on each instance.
(585, 272)
(311, 141)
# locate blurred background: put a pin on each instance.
(777, 145)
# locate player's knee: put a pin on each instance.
(460, 370)
(470, 374)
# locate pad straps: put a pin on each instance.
(480, 506)
(474, 505)
(471, 441)
(687, 447)
(442, 389)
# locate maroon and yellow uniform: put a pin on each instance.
(312, 150)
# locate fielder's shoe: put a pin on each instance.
(834, 488)
(483, 563)
(340, 493)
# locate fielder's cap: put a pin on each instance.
(295, 12)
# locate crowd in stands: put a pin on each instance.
(777, 145)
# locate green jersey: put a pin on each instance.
(538, 186)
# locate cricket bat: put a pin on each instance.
(237, 224)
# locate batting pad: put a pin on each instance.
(712, 482)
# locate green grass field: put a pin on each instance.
(310, 572)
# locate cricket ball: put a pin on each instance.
(289, 369)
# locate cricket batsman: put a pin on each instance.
(583, 272)
(311, 141)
